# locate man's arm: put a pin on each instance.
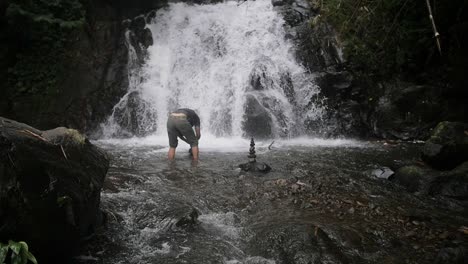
(197, 132)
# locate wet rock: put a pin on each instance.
(405, 111)
(453, 184)
(448, 145)
(141, 33)
(127, 114)
(150, 16)
(257, 121)
(318, 46)
(50, 184)
(189, 219)
(452, 255)
(280, 2)
(255, 167)
(414, 178)
(302, 7)
(383, 173)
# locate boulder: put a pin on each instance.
(257, 121)
(452, 184)
(50, 184)
(414, 178)
(452, 255)
(447, 147)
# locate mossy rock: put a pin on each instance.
(414, 178)
(448, 146)
(65, 136)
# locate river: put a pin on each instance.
(319, 204)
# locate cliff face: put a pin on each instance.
(65, 63)
(380, 69)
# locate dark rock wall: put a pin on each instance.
(400, 105)
(78, 80)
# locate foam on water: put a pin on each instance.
(210, 143)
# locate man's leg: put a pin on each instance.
(195, 153)
(172, 134)
(186, 130)
(171, 153)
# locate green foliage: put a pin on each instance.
(388, 37)
(42, 29)
(18, 251)
(62, 200)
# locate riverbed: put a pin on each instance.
(319, 204)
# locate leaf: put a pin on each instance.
(17, 259)
(24, 245)
(14, 246)
(3, 252)
(31, 257)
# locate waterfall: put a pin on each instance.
(230, 63)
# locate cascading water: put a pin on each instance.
(230, 63)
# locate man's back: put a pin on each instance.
(192, 117)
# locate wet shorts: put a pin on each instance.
(180, 127)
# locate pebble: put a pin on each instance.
(351, 210)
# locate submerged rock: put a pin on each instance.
(50, 184)
(447, 146)
(188, 219)
(414, 178)
(255, 166)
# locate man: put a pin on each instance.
(179, 124)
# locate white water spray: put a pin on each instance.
(230, 63)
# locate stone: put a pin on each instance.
(189, 219)
(257, 121)
(452, 184)
(447, 147)
(406, 111)
(50, 186)
(279, 2)
(383, 173)
(138, 23)
(452, 255)
(413, 178)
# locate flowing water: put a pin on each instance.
(320, 204)
(231, 63)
